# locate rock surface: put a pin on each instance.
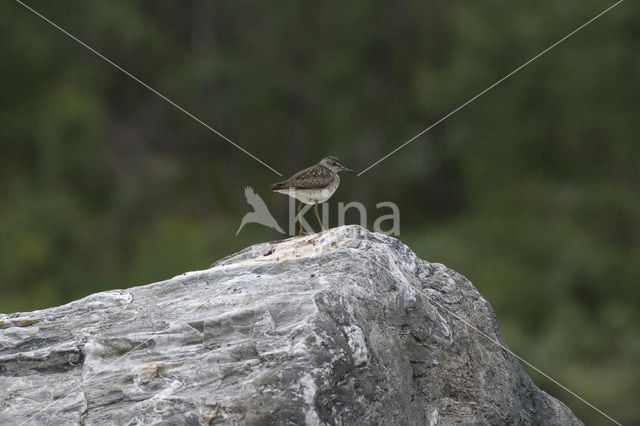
(344, 327)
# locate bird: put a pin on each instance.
(313, 185)
(260, 214)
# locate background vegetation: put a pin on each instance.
(532, 191)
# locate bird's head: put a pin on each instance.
(334, 164)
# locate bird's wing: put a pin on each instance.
(254, 199)
(309, 178)
(249, 193)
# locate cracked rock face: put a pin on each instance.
(326, 329)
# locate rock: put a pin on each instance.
(342, 327)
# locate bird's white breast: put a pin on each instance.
(311, 196)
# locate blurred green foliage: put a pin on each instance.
(532, 191)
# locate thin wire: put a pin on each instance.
(495, 341)
(150, 88)
(431, 299)
(377, 162)
(492, 86)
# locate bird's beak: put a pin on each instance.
(344, 169)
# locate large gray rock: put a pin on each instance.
(344, 327)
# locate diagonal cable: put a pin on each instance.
(418, 290)
(149, 88)
(500, 345)
(492, 86)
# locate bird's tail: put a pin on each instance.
(276, 227)
(277, 186)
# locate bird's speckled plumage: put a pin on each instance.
(313, 177)
(315, 184)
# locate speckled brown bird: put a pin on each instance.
(313, 185)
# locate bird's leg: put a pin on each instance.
(302, 232)
(315, 210)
